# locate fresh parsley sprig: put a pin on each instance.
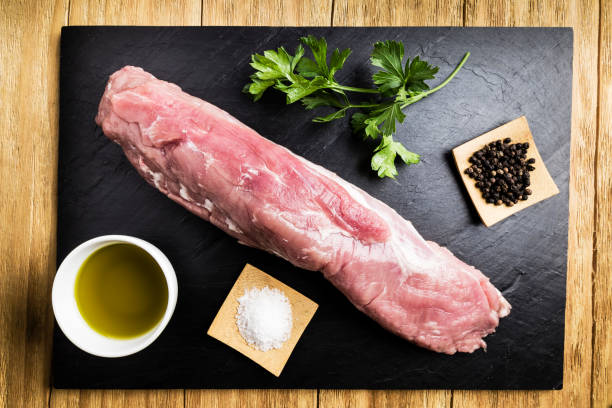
(312, 82)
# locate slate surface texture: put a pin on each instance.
(512, 72)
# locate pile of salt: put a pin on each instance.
(264, 318)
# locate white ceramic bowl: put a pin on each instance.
(67, 312)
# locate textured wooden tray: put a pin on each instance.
(542, 184)
(224, 328)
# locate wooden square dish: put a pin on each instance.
(224, 328)
(542, 184)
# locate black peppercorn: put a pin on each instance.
(501, 171)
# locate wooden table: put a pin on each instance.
(29, 66)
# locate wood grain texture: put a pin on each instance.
(29, 61)
(135, 12)
(266, 12)
(542, 184)
(392, 13)
(130, 12)
(225, 328)
(29, 41)
(116, 398)
(251, 398)
(602, 279)
(578, 319)
(398, 13)
(381, 398)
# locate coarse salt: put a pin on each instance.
(264, 318)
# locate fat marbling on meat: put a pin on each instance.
(269, 198)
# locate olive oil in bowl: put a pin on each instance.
(121, 291)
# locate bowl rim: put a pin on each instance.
(97, 243)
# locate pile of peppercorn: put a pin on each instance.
(501, 171)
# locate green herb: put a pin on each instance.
(312, 82)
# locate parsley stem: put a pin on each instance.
(422, 95)
(354, 89)
(448, 79)
(364, 105)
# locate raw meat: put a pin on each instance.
(269, 198)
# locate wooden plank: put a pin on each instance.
(116, 398)
(274, 13)
(581, 15)
(28, 63)
(266, 12)
(602, 279)
(392, 13)
(398, 13)
(129, 12)
(251, 398)
(383, 398)
(135, 12)
(29, 55)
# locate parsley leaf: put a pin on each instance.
(318, 46)
(382, 121)
(388, 55)
(257, 88)
(319, 66)
(379, 120)
(417, 71)
(383, 161)
(337, 60)
(393, 78)
(322, 98)
(301, 87)
(270, 68)
(308, 68)
(277, 69)
(358, 121)
(311, 81)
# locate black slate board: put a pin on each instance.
(512, 72)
